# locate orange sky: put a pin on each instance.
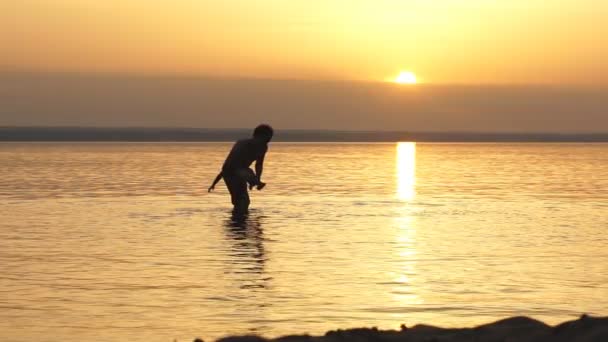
(442, 41)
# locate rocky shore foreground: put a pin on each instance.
(515, 329)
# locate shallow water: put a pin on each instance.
(116, 241)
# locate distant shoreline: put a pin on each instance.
(584, 329)
(126, 134)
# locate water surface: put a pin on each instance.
(117, 241)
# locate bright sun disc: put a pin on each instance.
(406, 77)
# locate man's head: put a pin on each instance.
(263, 132)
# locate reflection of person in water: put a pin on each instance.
(236, 172)
(248, 249)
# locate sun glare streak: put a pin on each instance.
(406, 277)
(406, 170)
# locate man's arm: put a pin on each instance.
(259, 166)
(215, 181)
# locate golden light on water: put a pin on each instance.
(406, 223)
(406, 170)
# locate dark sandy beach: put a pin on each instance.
(514, 329)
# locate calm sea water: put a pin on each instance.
(116, 241)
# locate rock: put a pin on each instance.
(514, 329)
(246, 338)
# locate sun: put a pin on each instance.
(406, 77)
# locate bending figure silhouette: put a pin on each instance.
(236, 172)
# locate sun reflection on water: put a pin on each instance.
(406, 171)
(405, 290)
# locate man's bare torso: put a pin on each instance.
(243, 153)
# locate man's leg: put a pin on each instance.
(237, 186)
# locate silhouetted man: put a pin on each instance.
(236, 172)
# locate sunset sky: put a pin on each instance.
(444, 42)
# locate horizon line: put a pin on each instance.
(311, 130)
(210, 77)
(191, 134)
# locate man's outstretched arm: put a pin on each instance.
(215, 181)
